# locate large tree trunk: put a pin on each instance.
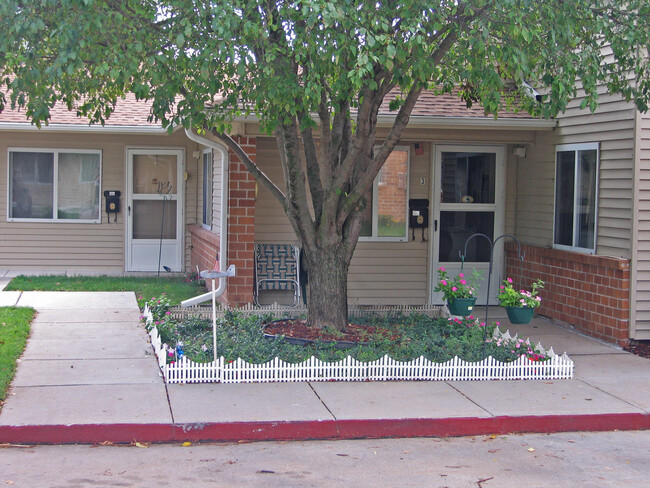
(327, 297)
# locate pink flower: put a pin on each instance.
(539, 299)
(441, 269)
(522, 300)
(443, 282)
(502, 287)
(463, 282)
(453, 288)
(509, 280)
(461, 275)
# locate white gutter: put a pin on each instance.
(223, 232)
(110, 129)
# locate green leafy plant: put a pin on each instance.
(509, 297)
(158, 306)
(458, 287)
(412, 336)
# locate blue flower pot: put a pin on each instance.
(520, 315)
(461, 306)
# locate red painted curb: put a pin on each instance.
(310, 430)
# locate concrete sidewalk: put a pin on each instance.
(88, 375)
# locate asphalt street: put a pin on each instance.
(590, 460)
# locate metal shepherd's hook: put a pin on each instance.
(163, 190)
(492, 244)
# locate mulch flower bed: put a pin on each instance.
(298, 329)
(640, 348)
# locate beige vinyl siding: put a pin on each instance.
(640, 292)
(81, 247)
(217, 189)
(535, 192)
(613, 127)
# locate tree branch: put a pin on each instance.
(313, 171)
(257, 173)
(296, 202)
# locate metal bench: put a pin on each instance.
(277, 267)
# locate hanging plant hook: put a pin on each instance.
(492, 243)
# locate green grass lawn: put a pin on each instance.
(176, 288)
(14, 330)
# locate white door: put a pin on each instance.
(468, 198)
(154, 210)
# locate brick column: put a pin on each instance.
(241, 225)
(587, 291)
(205, 246)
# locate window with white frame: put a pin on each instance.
(206, 219)
(386, 212)
(54, 185)
(576, 187)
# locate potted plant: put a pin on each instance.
(459, 292)
(520, 305)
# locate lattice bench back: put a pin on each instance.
(277, 268)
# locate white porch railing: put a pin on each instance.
(185, 370)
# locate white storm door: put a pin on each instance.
(154, 240)
(468, 198)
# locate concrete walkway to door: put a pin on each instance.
(88, 375)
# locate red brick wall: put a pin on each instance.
(205, 246)
(241, 225)
(587, 291)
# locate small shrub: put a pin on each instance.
(158, 306)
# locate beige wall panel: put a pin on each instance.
(81, 246)
(640, 293)
(536, 187)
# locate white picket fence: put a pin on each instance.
(185, 370)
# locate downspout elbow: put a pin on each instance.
(223, 231)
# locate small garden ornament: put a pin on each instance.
(520, 305)
(459, 292)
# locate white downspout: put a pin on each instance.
(223, 231)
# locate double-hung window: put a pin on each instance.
(576, 188)
(206, 219)
(386, 212)
(61, 185)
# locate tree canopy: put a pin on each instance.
(315, 73)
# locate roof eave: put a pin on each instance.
(442, 122)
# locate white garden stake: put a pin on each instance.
(211, 275)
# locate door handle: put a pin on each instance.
(129, 209)
(435, 225)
